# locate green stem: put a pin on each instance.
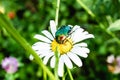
(5, 23)
(100, 24)
(56, 52)
(57, 12)
(110, 33)
(70, 74)
(56, 64)
(44, 75)
(63, 78)
(86, 8)
(9, 76)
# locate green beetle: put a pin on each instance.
(62, 34)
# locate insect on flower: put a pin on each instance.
(63, 33)
(68, 41)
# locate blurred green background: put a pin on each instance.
(30, 17)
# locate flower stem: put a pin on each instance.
(56, 64)
(9, 76)
(5, 23)
(56, 52)
(100, 24)
(44, 75)
(57, 12)
(63, 78)
(110, 33)
(70, 74)
(86, 8)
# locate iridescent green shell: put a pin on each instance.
(62, 32)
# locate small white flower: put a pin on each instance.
(69, 51)
(110, 59)
(113, 64)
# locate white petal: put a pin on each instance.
(46, 58)
(60, 67)
(42, 38)
(75, 59)
(67, 61)
(80, 35)
(80, 51)
(71, 26)
(117, 70)
(47, 34)
(40, 43)
(87, 36)
(85, 32)
(53, 27)
(41, 55)
(41, 46)
(76, 27)
(43, 52)
(118, 61)
(31, 57)
(77, 34)
(110, 59)
(52, 62)
(81, 45)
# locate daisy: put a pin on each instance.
(70, 48)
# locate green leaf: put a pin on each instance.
(114, 26)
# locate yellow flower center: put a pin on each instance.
(62, 48)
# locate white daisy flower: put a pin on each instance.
(69, 47)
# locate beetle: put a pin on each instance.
(63, 33)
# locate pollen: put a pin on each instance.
(62, 48)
